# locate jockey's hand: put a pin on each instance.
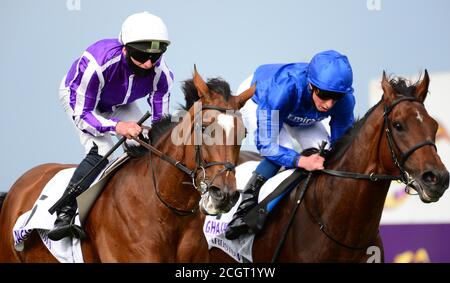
(311, 163)
(128, 129)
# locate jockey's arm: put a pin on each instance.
(311, 163)
(266, 139)
(128, 129)
(342, 118)
(85, 97)
(159, 100)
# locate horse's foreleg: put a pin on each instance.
(192, 247)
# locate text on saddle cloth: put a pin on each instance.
(214, 227)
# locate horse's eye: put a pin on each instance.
(398, 126)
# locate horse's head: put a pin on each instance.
(212, 147)
(411, 135)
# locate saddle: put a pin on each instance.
(256, 217)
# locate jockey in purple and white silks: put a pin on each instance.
(101, 81)
(99, 95)
(289, 104)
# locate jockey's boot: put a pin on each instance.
(64, 225)
(64, 222)
(237, 225)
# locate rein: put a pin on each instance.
(175, 163)
(201, 165)
(404, 177)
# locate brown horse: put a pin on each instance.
(339, 217)
(148, 210)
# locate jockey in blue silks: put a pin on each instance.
(289, 104)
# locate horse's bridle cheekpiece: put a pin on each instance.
(203, 185)
(405, 177)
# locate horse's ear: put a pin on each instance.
(422, 87)
(246, 95)
(388, 91)
(200, 84)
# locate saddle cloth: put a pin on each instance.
(68, 249)
(214, 227)
(38, 218)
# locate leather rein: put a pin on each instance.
(404, 177)
(204, 184)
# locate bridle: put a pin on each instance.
(201, 165)
(404, 177)
(200, 168)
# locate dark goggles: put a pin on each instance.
(327, 95)
(142, 56)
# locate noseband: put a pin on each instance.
(201, 165)
(204, 185)
(406, 178)
(399, 163)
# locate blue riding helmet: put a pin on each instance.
(331, 71)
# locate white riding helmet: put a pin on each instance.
(143, 27)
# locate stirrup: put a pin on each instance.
(78, 232)
(75, 230)
(68, 230)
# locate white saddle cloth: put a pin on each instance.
(214, 227)
(38, 218)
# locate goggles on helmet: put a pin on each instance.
(144, 51)
(327, 95)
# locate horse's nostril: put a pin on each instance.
(216, 192)
(430, 178)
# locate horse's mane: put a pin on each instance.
(216, 85)
(401, 86)
(342, 144)
(166, 123)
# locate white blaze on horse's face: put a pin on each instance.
(419, 116)
(227, 123)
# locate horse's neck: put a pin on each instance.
(172, 183)
(363, 154)
(358, 202)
